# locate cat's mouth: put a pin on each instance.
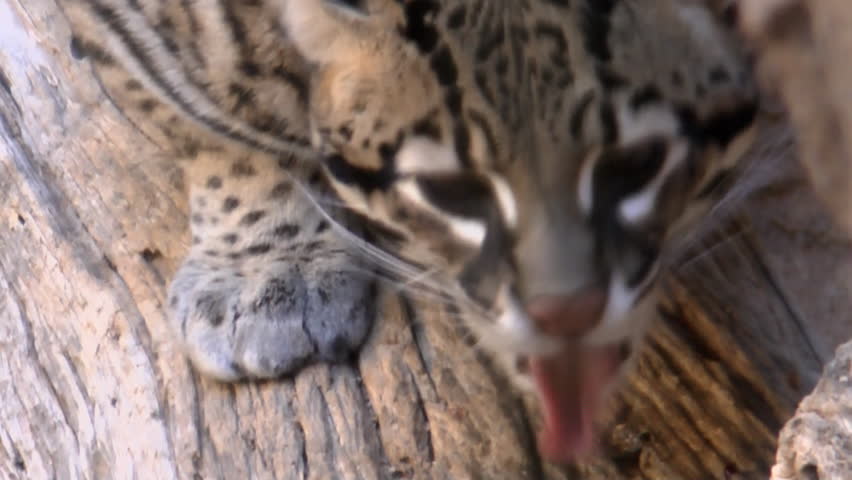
(572, 383)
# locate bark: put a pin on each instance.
(803, 55)
(817, 442)
(93, 224)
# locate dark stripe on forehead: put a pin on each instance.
(578, 115)
(609, 127)
(420, 29)
(416, 28)
(595, 24)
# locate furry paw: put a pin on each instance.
(270, 318)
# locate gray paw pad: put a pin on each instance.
(269, 323)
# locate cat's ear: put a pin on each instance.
(329, 31)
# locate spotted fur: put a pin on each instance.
(494, 150)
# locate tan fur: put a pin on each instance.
(447, 107)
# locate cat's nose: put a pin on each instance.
(568, 316)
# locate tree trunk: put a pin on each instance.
(92, 225)
(803, 54)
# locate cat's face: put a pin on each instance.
(533, 174)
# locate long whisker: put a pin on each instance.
(428, 288)
(382, 258)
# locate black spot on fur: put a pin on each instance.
(231, 238)
(243, 169)
(258, 249)
(210, 307)
(81, 49)
(132, 85)
(250, 69)
(214, 182)
(148, 105)
(287, 230)
(323, 226)
(345, 132)
(197, 219)
(252, 217)
(281, 190)
(230, 204)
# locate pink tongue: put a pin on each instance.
(570, 385)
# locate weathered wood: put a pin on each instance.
(803, 54)
(817, 442)
(91, 228)
(802, 51)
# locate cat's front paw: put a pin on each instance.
(269, 318)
